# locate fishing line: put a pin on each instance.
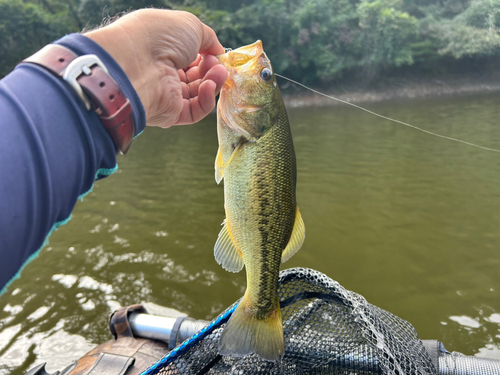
(388, 118)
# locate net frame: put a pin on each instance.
(327, 328)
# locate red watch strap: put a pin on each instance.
(106, 96)
(54, 59)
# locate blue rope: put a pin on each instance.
(186, 345)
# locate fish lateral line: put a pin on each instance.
(388, 118)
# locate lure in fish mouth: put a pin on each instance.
(263, 226)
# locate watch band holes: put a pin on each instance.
(111, 97)
(102, 84)
(61, 60)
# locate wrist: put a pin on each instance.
(98, 91)
(133, 58)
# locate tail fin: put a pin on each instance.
(245, 334)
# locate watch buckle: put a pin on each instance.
(81, 65)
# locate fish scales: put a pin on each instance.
(263, 226)
(263, 199)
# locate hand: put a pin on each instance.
(159, 50)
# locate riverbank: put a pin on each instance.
(391, 89)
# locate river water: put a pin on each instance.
(408, 220)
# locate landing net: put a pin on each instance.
(328, 330)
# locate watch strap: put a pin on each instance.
(106, 96)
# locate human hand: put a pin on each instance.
(159, 51)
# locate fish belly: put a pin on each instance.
(259, 188)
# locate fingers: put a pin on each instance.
(196, 105)
(197, 108)
(218, 75)
(195, 63)
(198, 68)
(207, 63)
(192, 76)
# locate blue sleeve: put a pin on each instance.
(51, 152)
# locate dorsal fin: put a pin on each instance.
(226, 253)
(296, 239)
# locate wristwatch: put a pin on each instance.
(90, 79)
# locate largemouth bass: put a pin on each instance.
(263, 226)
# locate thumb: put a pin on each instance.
(210, 45)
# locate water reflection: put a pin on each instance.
(485, 325)
(56, 347)
(404, 219)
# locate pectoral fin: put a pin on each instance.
(296, 239)
(220, 165)
(219, 171)
(226, 253)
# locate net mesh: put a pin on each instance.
(327, 329)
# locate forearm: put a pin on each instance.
(52, 150)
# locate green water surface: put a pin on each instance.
(410, 221)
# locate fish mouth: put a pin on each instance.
(240, 57)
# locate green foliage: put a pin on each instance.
(474, 32)
(437, 9)
(323, 39)
(24, 29)
(315, 41)
(327, 38)
(388, 33)
(269, 21)
(94, 12)
(221, 21)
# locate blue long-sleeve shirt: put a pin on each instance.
(51, 151)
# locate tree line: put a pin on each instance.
(313, 41)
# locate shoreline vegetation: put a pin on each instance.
(299, 97)
(357, 50)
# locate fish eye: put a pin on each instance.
(266, 74)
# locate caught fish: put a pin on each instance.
(263, 226)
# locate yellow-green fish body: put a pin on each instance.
(263, 226)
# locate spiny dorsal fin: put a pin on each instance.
(296, 239)
(226, 253)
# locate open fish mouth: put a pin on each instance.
(240, 57)
(245, 93)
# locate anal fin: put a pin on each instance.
(225, 251)
(296, 239)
